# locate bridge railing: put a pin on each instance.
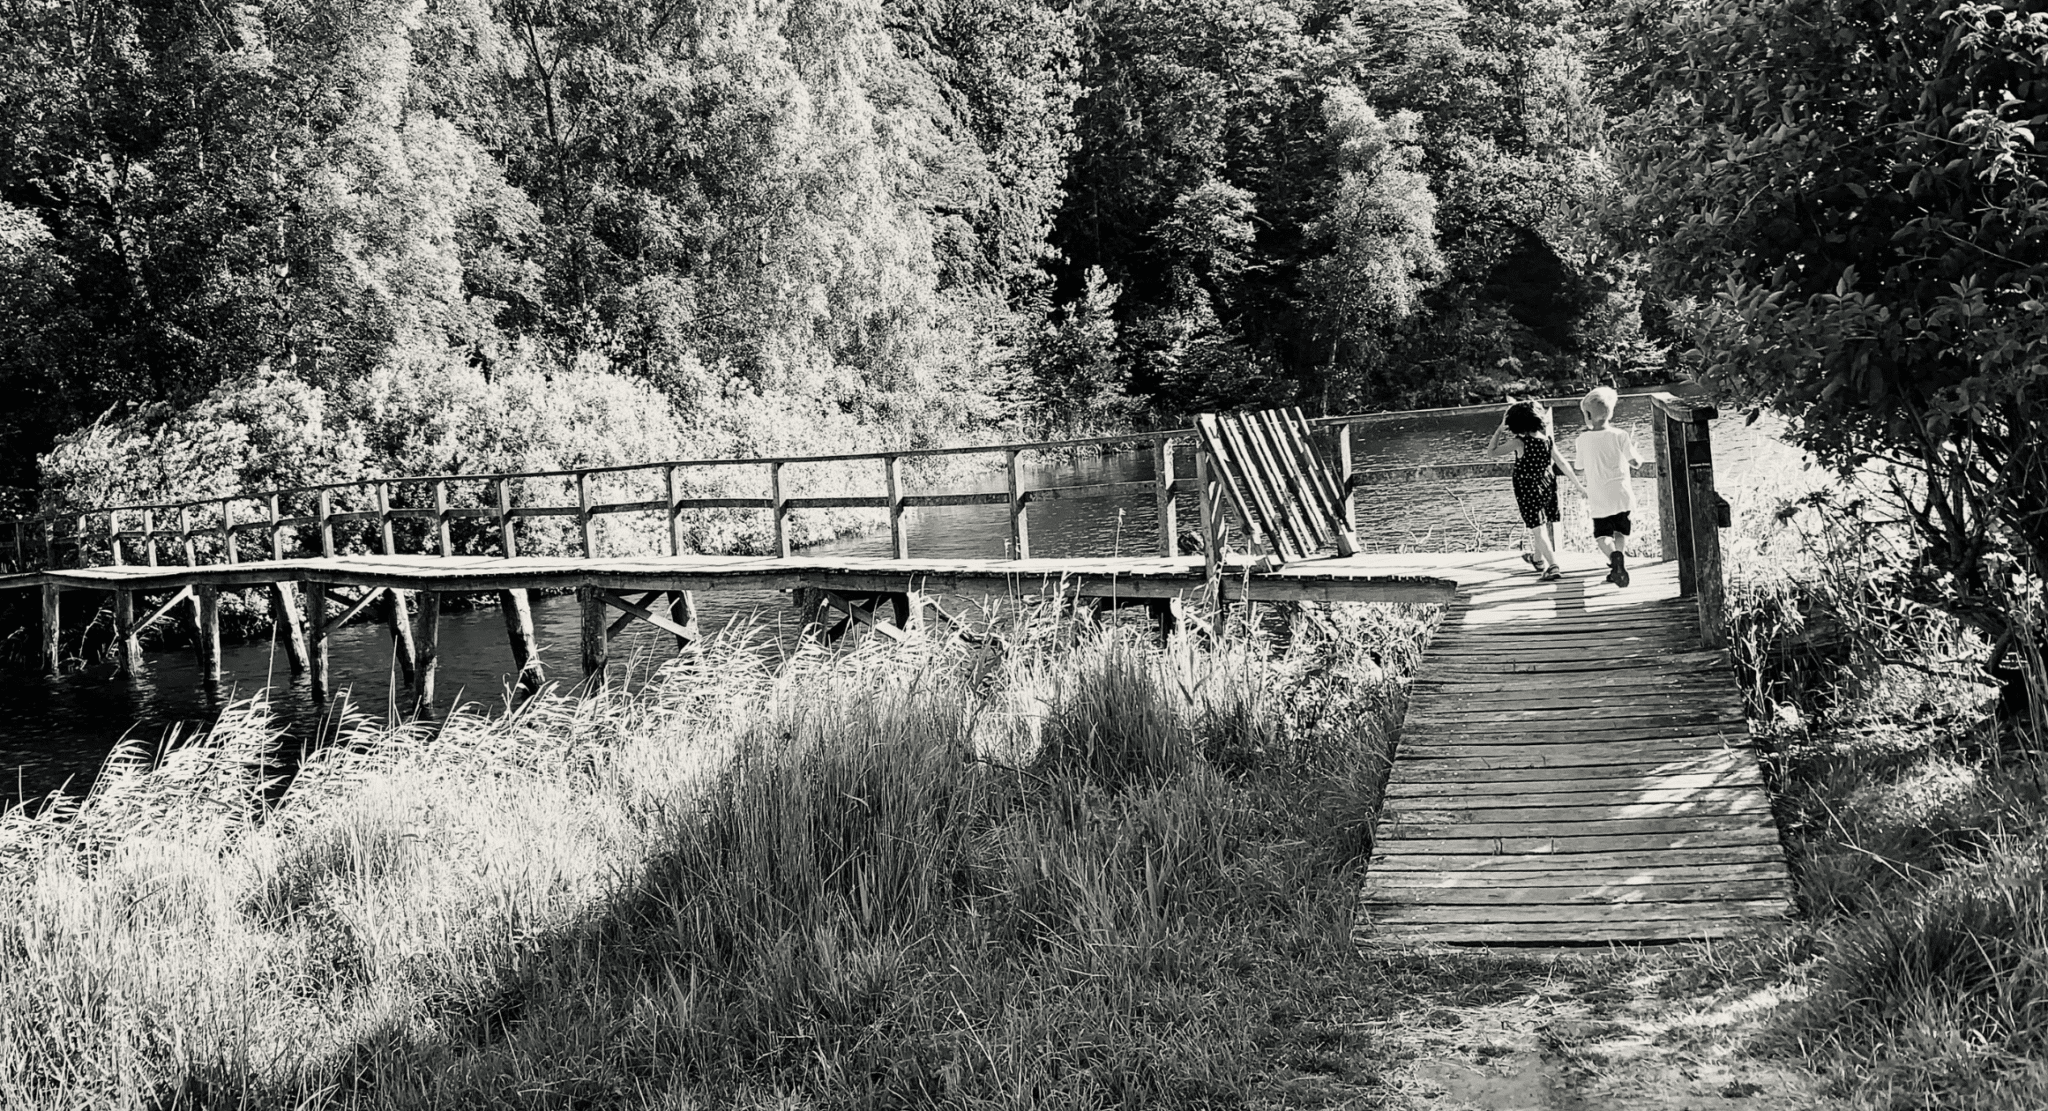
(566, 511)
(561, 511)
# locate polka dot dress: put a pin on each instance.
(1535, 481)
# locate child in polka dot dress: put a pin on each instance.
(1537, 467)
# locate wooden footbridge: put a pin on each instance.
(1574, 767)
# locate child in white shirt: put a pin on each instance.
(1604, 455)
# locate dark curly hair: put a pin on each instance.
(1524, 419)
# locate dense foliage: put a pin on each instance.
(814, 220)
(1861, 221)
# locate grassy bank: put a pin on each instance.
(1059, 869)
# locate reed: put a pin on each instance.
(1063, 867)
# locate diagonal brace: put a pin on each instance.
(639, 609)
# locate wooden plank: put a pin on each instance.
(1264, 470)
(1409, 858)
(1525, 842)
(1227, 472)
(1630, 718)
(1293, 485)
(1416, 884)
(1528, 933)
(1608, 807)
(1573, 792)
(1398, 826)
(619, 624)
(1580, 894)
(163, 608)
(1562, 913)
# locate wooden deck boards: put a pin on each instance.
(1573, 770)
(1362, 578)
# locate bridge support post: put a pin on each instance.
(1706, 534)
(291, 626)
(206, 610)
(127, 645)
(316, 636)
(398, 616)
(429, 649)
(682, 609)
(596, 641)
(53, 633)
(519, 631)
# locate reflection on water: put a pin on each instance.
(54, 730)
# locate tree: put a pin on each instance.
(1860, 220)
(1378, 239)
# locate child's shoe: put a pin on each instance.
(1617, 572)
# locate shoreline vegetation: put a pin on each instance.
(1065, 867)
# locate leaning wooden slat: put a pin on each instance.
(1281, 484)
(1308, 471)
(1242, 495)
(1251, 469)
(1287, 474)
(1330, 484)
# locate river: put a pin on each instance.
(57, 731)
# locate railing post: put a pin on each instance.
(148, 535)
(675, 513)
(1676, 489)
(1162, 477)
(1704, 504)
(114, 552)
(583, 514)
(227, 531)
(505, 518)
(276, 530)
(1207, 500)
(20, 547)
(443, 540)
(892, 475)
(1020, 523)
(383, 491)
(50, 544)
(1667, 516)
(1347, 500)
(185, 536)
(324, 514)
(781, 509)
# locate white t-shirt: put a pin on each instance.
(1604, 456)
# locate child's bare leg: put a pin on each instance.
(1539, 539)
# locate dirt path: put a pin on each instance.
(1572, 1034)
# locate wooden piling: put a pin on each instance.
(316, 632)
(290, 625)
(398, 616)
(780, 509)
(596, 645)
(127, 645)
(206, 616)
(429, 649)
(892, 477)
(682, 609)
(519, 632)
(53, 647)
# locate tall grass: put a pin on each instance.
(1057, 869)
(1915, 821)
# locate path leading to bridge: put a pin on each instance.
(1573, 769)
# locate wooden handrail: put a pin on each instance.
(896, 499)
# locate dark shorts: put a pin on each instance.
(1616, 525)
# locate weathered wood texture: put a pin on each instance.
(1573, 770)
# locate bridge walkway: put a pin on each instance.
(1574, 768)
